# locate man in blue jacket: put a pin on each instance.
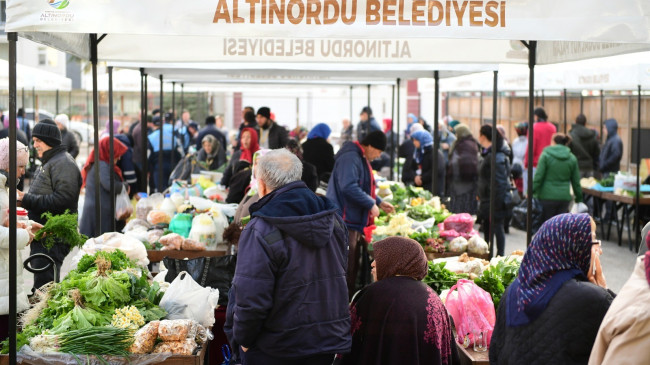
(610, 156)
(288, 303)
(352, 188)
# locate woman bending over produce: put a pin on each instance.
(399, 319)
(551, 313)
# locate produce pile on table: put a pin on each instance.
(102, 308)
(199, 222)
(493, 277)
(422, 217)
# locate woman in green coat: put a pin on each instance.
(557, 172)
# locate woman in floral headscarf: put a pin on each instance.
(551, 313)
(399, 319)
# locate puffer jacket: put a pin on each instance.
(349, 186)
(610, 156)
(563, 334)
(557, 170)
(22, 237)
(289, 294)
(55, 187)
(502, 182)
(585, 147)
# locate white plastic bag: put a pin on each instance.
(579, 208)
(123, 207)
(186, 299)
(204, 230)
(111, 241)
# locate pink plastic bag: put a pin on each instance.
(461, 223)
(472, 310)
(449, 234)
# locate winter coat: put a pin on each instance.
(463, 166)
(448, 138)
(289, 294)
(585, 147)
(610, 156)
(87, 224)
(320, 153)
(55, 186)
(542, 133)
(126, 164)
(22, 237)
(346, 135)
(625, 330)
(70, 142)
(502, 183)
(367, 127)
(230, 169)
(557, 170)
(427, 171)
(406, 151)
(349, 186)
(309, 176)
(277, 136)
(563, 334)
(215, 162)
(172, 150)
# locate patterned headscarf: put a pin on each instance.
(400, 256)
(560, 251)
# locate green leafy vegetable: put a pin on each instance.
(60, 228)
(118, 259)
(421, 212)
(79, 317)
(495, 279)
(439, 278)
(96, 341)
(21, 340)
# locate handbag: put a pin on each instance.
(215, 272)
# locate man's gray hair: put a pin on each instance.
(278, 168)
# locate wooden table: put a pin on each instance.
(469, 356)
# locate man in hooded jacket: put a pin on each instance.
(584, 146)
(288, 303)
(610, 156)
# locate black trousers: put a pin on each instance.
(551, 208)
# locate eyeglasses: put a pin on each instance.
(23, 148)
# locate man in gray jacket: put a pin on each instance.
(54, 189)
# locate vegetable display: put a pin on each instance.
(439, 278)
(496, 278)
(106, 288)
(60, 228)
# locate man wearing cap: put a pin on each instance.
(352, 188)
(55, 189)
(170, 147)
(272, 135)
(367, 123)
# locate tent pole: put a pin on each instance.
(637, 223)
(93, 61)
(392, 135)
(143, 132)
(182, 97)
(582, 102)
(602, 114)
(493, 163)
(436, 135)
(351, 112)
(532, 58)
(480, 108)
(565, 120)
(56, 108)
(111, 148)
(543, 98)
(160, 145)
(368, 94)
(174, 122)
(13, 255)
(398, 126)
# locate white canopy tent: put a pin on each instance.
(30, 77)
(405, 32)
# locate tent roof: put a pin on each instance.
(31, 77)
(336, 31)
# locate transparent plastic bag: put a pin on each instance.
(186, 299)
(472, 310)
(123, 207)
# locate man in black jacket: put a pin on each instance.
(584, 146)
(55, 189)
(272, 135)
(67, 138)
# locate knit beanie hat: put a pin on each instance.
(376, 139)
(265, 112)
(22, 154)
(47, 131)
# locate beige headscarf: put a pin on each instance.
(462, 131)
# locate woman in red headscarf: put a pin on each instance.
(243, 158)
(87, 225)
